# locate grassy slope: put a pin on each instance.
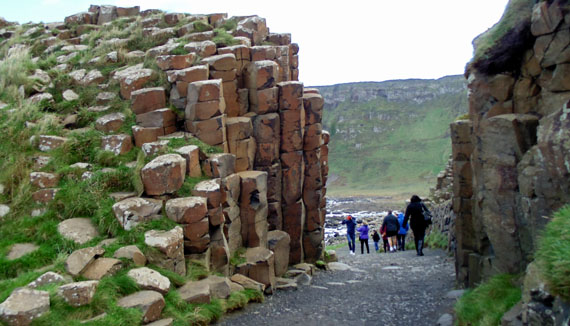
(407, 153)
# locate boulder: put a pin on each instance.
(148, 99)
(177, 62)
(247, 282)
(170, 245)
(131, 252)
(78, 230)
(47, 143)
(219, 286)
(278, 242)
(163, 175)
(70, 95)
(23, 306)
(132, 211)
(150, 303)
(192, 155)
(148, 279)
(79, 293)
(259, 266)
(45, 279)
(102, 267)
(80, 259)
(211, 190)
(45, 195)
(145, 135)
(187, 210)
(219, 165)
(19, 250)
(195, 292)
(44, 179)
(118, 144)
(155, 147)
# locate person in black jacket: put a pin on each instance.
(414, 213)
(392, 228)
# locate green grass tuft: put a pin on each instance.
(436, 239)
(552, 253)
(486, 304)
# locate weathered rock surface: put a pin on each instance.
(133, 253)
(79, 230)
(80, 259)
(79, 293)
(150, 303)
(148, 279)
(23, 306)
(165, 174)
(19, 250)
(132, 211)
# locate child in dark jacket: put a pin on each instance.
(376, 238)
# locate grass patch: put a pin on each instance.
(552, 253)
(486, 304)
(223, 38)
(238, 257)
(436, 239)
(336, 246)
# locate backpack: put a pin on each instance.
(427, 215)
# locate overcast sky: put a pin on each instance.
(340, 41)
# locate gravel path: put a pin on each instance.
(381, 289)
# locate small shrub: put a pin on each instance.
(486, 304)
(552, 253)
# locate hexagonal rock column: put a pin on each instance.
(180, 80)
(219, 252)
(219, 165)
(224, 67)
(132, 79)
(253, 208)
(44, 180)
(232, 227)
(79, 293)
(313, 183)
(239, 132)
(279, 242)
(132, 211)
(148, 99)
(118, 144)
(254, 28)
(150, 303)
(170, 245)
(47, 143)
(260, 78)
(192, 214)
(23, 306)
(193, 155)
(164, 175)
(164, 119)
(259, 266)
(205, 110)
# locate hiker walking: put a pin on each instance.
(376, 239)
(414, 213)
(363, 237)
(402, 233)
(350, 232)
(384, 238)
(392, 228)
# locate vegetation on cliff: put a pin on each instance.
(390, 137)
(486, 304)
(553, 253)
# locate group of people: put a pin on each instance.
(393, 230)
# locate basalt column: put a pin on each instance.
(292, 116)
(313, 184)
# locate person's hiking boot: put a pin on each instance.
(420, 248)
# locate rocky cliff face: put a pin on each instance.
(384, 125)
(511, 160)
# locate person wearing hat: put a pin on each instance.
(350, 232)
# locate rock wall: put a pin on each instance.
(511, 163)
(243, 98)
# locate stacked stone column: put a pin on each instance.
(205, 110)
(224, 67)
(313, 183)
(152, 117)
(292, 116)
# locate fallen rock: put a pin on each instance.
(170, 253)
(102, 267)
(80, 259)
(23, 306)
(164, 175)
(220, 287)
(46, 278)
(79, 293)
(150, 303)
(195, 292)
(78, 230)
(133, 253)
(149, 279)
(132, 211)
(259, 266)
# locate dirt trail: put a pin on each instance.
(395, 289)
